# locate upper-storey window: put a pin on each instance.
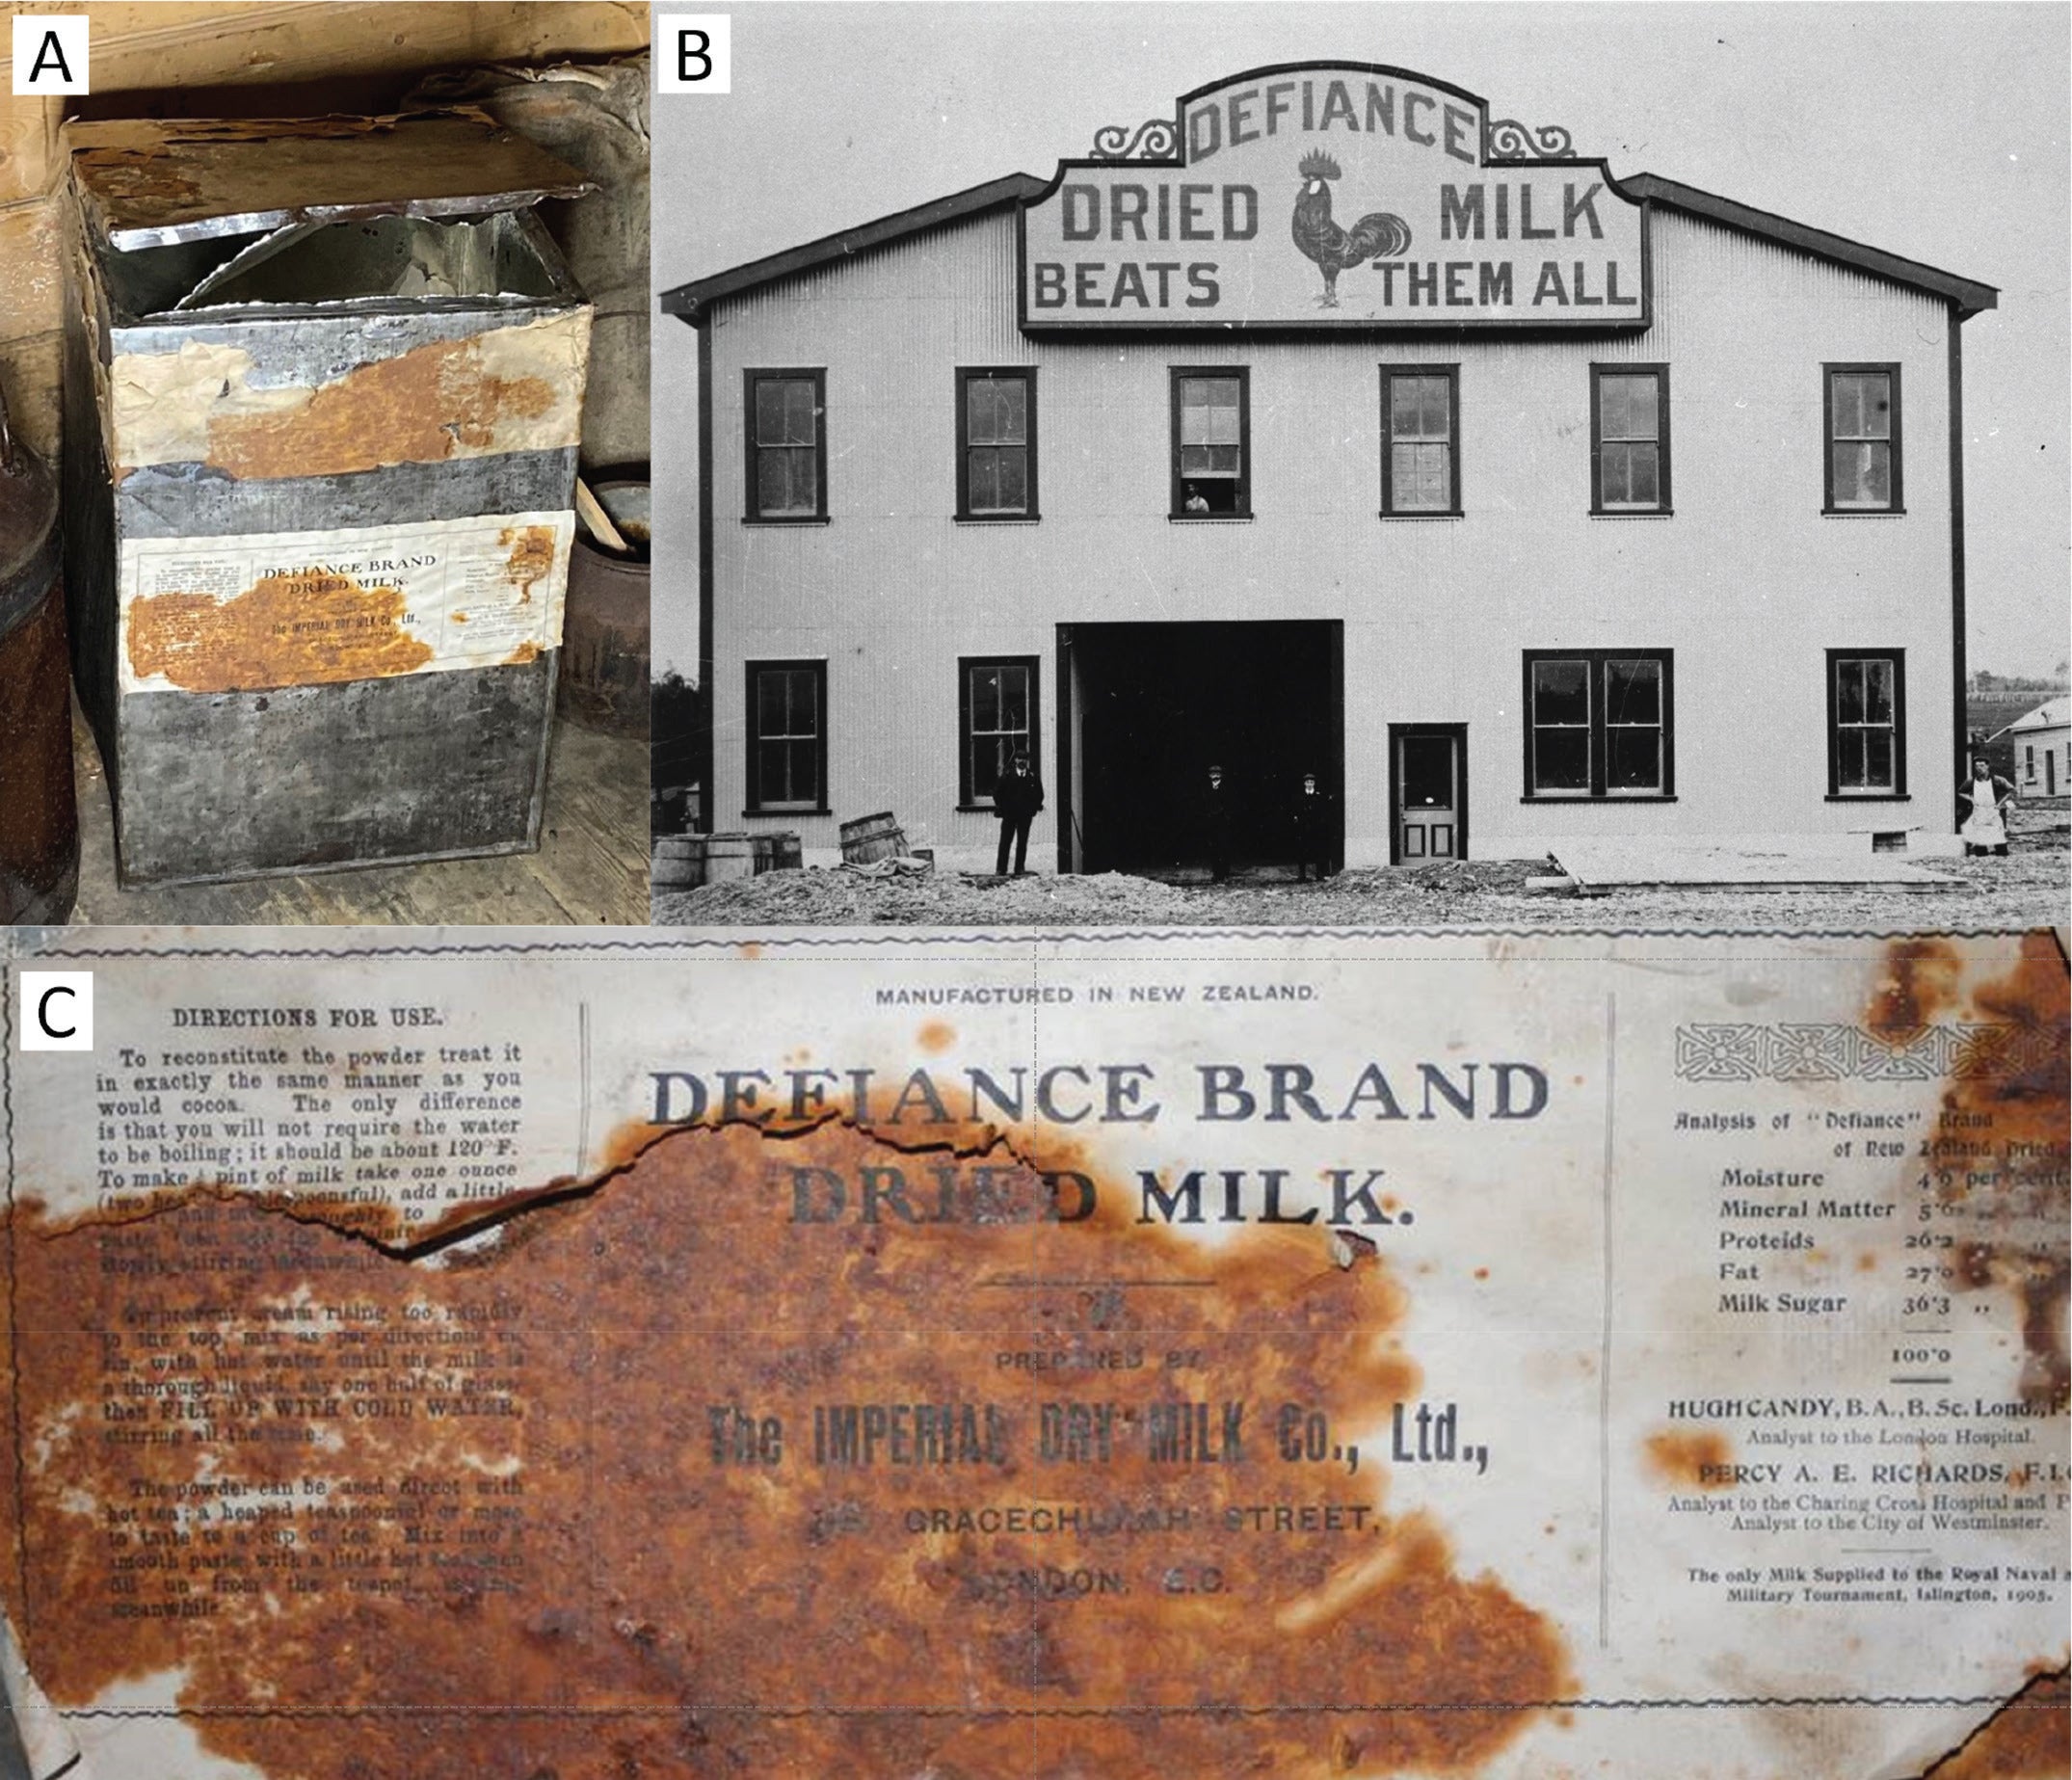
(1211, 444)
(786, 411)
(1630, 439)
(1421, 435)
(997, 444)
(1862, 410)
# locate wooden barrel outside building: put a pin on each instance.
(869, 839)
(679, 862)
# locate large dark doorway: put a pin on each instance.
(1146, 709)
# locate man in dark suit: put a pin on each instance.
(1016, 800)
(1216, 825)
(1312, 826)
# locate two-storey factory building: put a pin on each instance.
(1349, 434)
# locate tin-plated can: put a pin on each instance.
(39, 818)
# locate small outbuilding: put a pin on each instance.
(2042, 747)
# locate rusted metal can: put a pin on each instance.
(39, 818)
(324, 380)
(605, 634)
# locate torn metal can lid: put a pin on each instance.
(156, 182)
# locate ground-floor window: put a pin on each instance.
(996, 715)
(787, 736)
(1598, 724)
(1866, 723)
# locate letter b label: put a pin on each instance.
(693, 52)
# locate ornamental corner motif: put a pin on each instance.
(1155, 140)
(1505, 138)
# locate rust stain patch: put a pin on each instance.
(531, 558)
(307, 629)
(936, 1037)
(618, 1498)
(421, 407)
(1699, 1459)
(2028, 1738)
(2007, 1188)
(525, 652)
(1921, 982)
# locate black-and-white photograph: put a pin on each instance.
(1425, 465)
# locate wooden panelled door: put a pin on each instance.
(1429, 779)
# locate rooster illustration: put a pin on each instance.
(1377, 236)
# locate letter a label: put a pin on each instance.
(50, 53)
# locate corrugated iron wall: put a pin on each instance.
(1747, 583)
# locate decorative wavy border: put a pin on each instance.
(773, 938)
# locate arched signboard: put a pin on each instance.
(1334, 195)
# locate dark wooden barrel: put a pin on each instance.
(870, 838)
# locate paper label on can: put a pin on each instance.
(243, 614)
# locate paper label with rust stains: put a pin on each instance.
(247, 614)
(1061, 1356)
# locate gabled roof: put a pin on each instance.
(691, 301)
(2054, 715)
(1968, 293)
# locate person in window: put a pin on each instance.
(1196, 501)
(1312, 830)
(1987, 797)
(1016, 800)
(1216, 825)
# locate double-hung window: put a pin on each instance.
(1420, 441)
(788, 736)
(785, 427)
(996, 713)
(1866, 723)
(1211, 444)
(1598, 724)
(997, 444)
(1630, 439)
(1862, 420)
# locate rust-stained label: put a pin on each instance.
(241, 613)
(204, 401)
(1046, 1359)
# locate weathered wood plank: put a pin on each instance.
(28, 144)
(591, 866)
(162, 46)
(32, 275)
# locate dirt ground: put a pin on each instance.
(2028, 889)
